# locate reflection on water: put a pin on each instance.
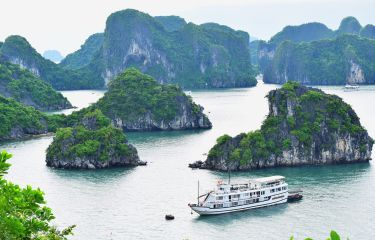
(131, 203)
(103, 176)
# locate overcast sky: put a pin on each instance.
(65, 24)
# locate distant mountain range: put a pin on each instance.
(313, 54)
(204, 56)
(169, 49)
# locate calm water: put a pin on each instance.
(131, 203)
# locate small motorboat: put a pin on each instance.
(295, 196)
(169, 217)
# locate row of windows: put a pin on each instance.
(277, 189)
(258, 193)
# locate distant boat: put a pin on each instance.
(351, 86)
(256, 193)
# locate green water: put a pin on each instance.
(131, 203)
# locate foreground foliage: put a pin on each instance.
(333, 236)
(23, 214)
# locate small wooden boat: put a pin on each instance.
(295, 196)
(169, 217)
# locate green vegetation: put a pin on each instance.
(303, 116)
(368, 31)
(85, 54)
(325, 62)
(349, 25)
(91, 135)
(333, 236)
(171, 23)
(303, 33)
(133, 95)
(192, 56)
(26, 88)
(23, 214)
(17, 50)
(19, 118)
(316, 55)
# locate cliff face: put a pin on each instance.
(136, 102)
(345, 59)
(18, 51)
(304, 126)
(304, 53)
(26, 88)
(92, 143)
(193, 56)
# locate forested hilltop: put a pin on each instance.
(168, 49)
(17, 50)
(304, 126)
(28, 89)
(137, 102)
(314, 54)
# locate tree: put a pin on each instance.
(23, 214)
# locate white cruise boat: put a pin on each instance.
(261, 192)
(351, 87)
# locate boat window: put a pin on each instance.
(219, 205)
(248, 201)
(219, 198)
(234, 203)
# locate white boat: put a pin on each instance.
(256, 193)
(351, 87)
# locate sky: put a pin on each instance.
(64, 25)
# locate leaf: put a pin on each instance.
(334, 236)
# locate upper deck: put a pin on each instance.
(254, 184)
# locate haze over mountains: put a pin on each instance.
(205, 56)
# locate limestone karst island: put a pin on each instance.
(187, 120)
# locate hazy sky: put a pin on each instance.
(65, 24)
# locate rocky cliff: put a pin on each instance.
(345, 59)
(304, 126)
(17, 50)
(171, 51)
(26, 88)
(136, 102)
(279, 58)
(92, 143)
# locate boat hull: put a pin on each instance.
(215, 211)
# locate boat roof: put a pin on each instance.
(269, 179)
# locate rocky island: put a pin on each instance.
(18, 121)
(313, 54)
(305, 126)
(28, 89)
(18, 50)
(137, 102)
(169, 49)
(91, 143)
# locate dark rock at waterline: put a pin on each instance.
(305, 126)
